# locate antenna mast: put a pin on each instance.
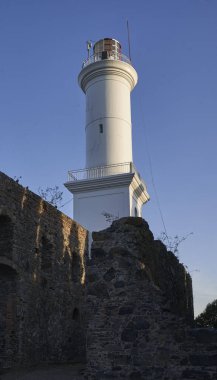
(128, 35)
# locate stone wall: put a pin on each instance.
(127, 312)
(42, 277)
(140, 311)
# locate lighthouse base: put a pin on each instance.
(100, 201)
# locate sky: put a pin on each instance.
(174, 108)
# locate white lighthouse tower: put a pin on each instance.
(109, 187)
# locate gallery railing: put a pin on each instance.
(101, 171)
(110, 55)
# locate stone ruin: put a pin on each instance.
(126, 313)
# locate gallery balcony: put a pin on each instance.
(101, 171)
(109, 55)
(105, 177)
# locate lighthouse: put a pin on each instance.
(109, 187)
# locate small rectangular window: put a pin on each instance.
(100, 128)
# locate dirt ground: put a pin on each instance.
(54, 372)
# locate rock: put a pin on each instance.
(109, 275)
(203, 360)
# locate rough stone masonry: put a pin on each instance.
(126, 313)
(140, 310)
(42, 277)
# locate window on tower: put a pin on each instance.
(100, 128)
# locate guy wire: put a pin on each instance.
(151, 173)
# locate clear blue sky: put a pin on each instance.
(174, 107)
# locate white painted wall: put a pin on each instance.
(90, 206)
(107, 85)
